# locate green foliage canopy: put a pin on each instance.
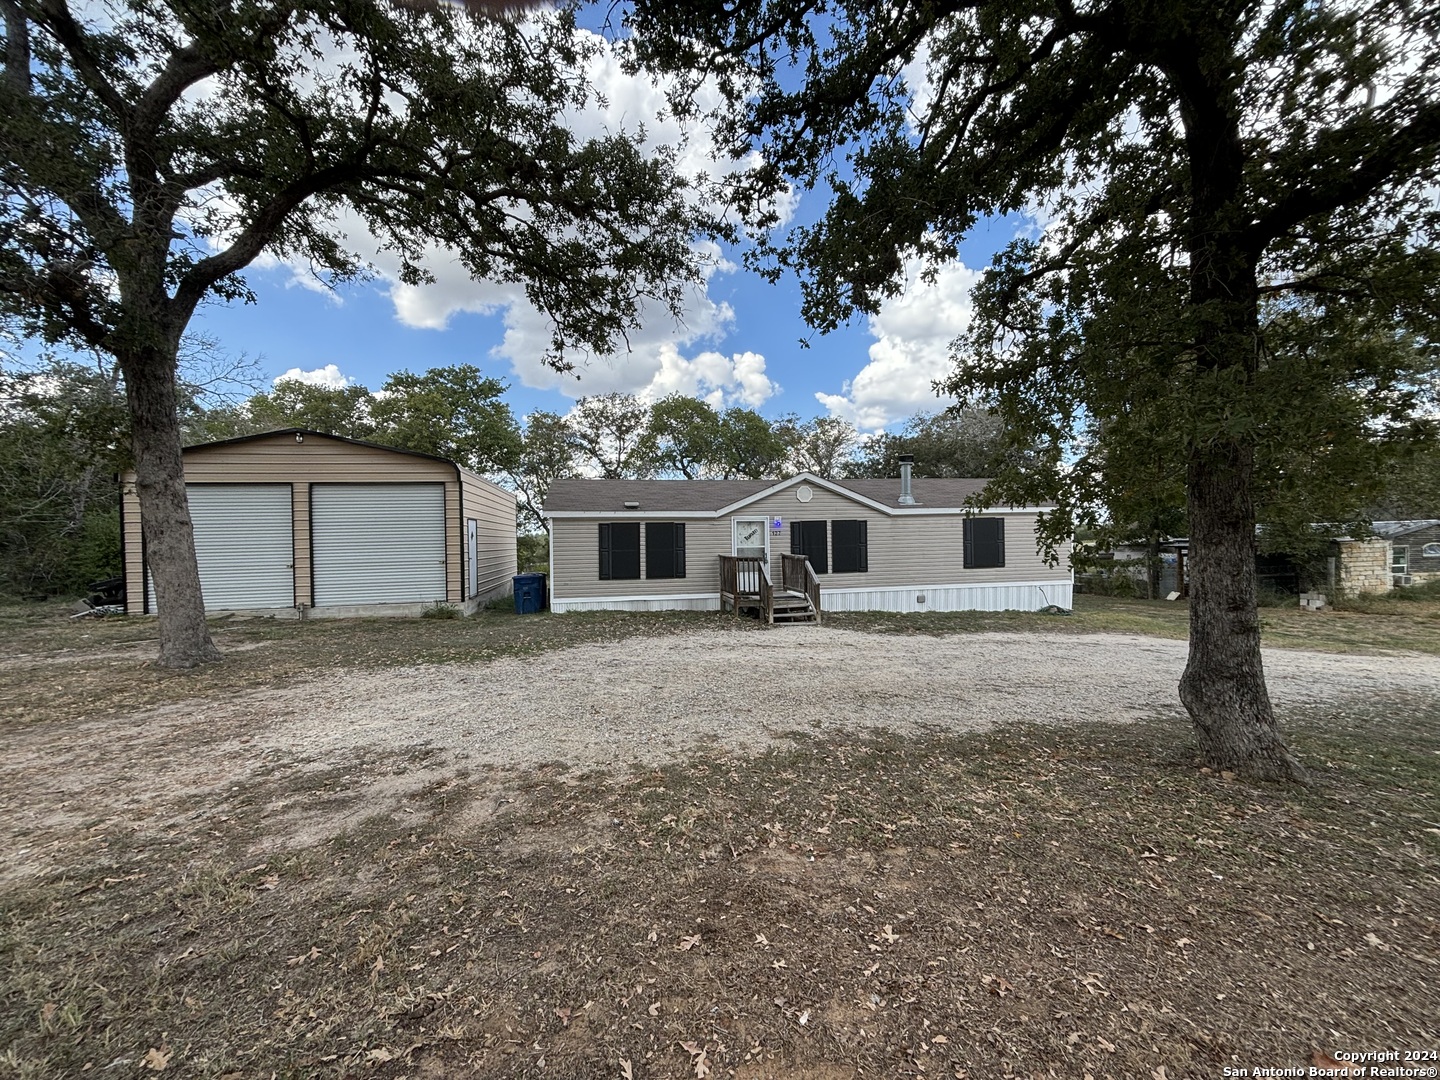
(955, 443)
(1210, 177)
(153, 149)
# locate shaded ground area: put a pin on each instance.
(864, 881)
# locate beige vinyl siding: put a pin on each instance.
(493, 509)
(575, 559)
(132, 545)
(904, 550)
(280, 459)
(454, 544)
(907, 549)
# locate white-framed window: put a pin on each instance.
(1431, 551)
(1399, 561)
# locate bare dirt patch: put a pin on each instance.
(812, 852)
(649, 700)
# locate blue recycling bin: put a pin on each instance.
(529, 593)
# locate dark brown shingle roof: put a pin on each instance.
(679, 496)
(659, 495)
(928, 492)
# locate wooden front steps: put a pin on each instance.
(745, 583)
(790, 606)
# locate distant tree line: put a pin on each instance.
(64, 439)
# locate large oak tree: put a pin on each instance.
(153, 149)
(1195, 163)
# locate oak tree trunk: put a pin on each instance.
(164, 513)
(1223, 687)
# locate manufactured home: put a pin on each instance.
(298, 522)
(794, 548)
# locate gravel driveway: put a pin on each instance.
(648, 699)
(641, 700)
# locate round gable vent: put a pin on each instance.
(803, 493)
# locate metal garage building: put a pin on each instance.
(315, 524)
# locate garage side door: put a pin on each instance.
(378, 543)
(244, 544)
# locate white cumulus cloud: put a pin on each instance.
(913, 333)
(329, 376)
(720, 380)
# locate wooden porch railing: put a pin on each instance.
(797, 575)
(745, 580)
(744, 577)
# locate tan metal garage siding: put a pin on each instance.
(377, 543)
(244, 546)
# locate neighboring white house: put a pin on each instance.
(656, 544)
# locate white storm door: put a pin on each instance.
(751, 537)
(244, 546)
(377, 543)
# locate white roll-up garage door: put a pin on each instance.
(378, 543)
(244, 544)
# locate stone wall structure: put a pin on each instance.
(1364, 566)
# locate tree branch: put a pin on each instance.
(17, 47)
(252, 240)
(56, 16)
(1355, 165)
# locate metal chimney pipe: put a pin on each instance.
(907, 462)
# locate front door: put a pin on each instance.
(472, 556)
(752, 538)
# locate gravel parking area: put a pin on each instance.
(647, 700)
(392, 731)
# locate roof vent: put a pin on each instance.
(907, 462)
(632, 506)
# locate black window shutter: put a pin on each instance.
(619, 551)
(851, 546)
(659, 553)
(625, 551)
(844, 532)
(984, 543)
(664, 549)
(808, 538)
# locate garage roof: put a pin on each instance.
(307, 433)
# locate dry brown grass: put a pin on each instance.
(52, 668)
(1377, 625)
(1027, 902)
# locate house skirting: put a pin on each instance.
(1010, 596)
(683, 602)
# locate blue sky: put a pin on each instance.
(739, 344)
(874, 371)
